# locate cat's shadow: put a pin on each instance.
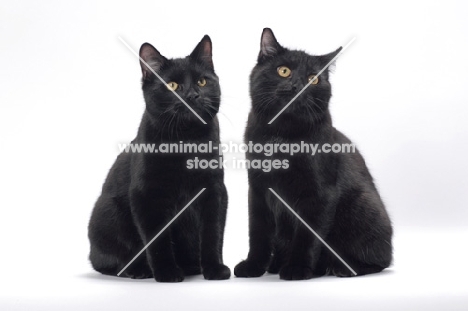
(270, 278)
(109, 278)
(274, 278)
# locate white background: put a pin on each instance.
(70, 92)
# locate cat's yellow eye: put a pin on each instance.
(284, 71)
(201, 82)
(172, 86)
(314, 79)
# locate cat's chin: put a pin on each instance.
(189, 121)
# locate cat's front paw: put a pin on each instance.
(248, 269)
(216, 272)
(292, 272)
(169, 275)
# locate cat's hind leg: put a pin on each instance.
(103, 263)
(139, 269)
(365, 255)
(111, 265)
(361, 234)
(114, 240)
(361, 268)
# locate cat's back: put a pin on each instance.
(118, 178)
(113, 203)
(252, 127)
(353, 167)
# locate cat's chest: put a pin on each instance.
(300, 167)
(175, 169)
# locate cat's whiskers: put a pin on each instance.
(164, 121)
(263, 104)
(312, 100)
(171, 128)
(177, 125)
(167, 110)
(208, 107)
(311, 114)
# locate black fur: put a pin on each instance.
(334, 192)
(144, 191)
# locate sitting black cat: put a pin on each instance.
(333, 192)
(144, 191)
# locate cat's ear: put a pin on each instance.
(203, 52)
(268, 45)
(152, 58)
(328, 57)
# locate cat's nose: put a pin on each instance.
(192, 95)
(296, 85)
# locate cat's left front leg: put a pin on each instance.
(306, 247)
(213, 205)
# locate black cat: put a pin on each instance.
(144, 191)
(333, 192)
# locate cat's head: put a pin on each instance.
(280, 74)
(192, 78)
